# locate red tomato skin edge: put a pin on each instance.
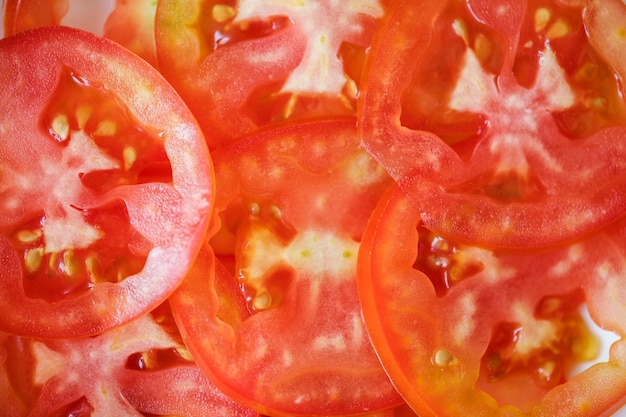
(110, 305)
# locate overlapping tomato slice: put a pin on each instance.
(463, 329)
(503, 121)
(106, 185)
(279, 326)
(243, 65)
(139, 369)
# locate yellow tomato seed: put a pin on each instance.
(542, 17)
(262, 301)
(33, 258)
(558, 30)
(106, 128)
(83, 113)
(222, 12)
(61, 127)
(444, 358)
(130, 156)
(28, 236)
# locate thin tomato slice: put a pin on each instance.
(139, 369)
(106, 188)
(466, 330)
(247, 64)
(504, 122)
(280, 330)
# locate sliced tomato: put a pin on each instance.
(106, 185)
(281, 331)
(466, 330)
(139, 369)
(504, 122)
(21, 15)
(241, 65)
(131, 24)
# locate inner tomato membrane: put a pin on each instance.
(511, 361)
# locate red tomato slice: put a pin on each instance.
(21, 15)
(284, 334)
(503, 121)
(464, 330)
(131, 24)
(241, 65)
(106, 185)
(138, 369)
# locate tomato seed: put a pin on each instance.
(32, 259)
(222, 12)
(130, 156)
(443, 358)
(60, 128)
(29, 236)
(542, 17)
(559, 29)
(106, 128)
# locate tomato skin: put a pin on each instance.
(412, 327)
(172, 216)
(498, 191)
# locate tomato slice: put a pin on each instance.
(131, 24)
(281, 331)
(504, 122)
(21, 15)
(107, 185)
(467, 330)
(242, 65)
(139, 369)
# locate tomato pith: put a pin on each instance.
(106, 197)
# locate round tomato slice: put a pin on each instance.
(106, 185)
(281, 330)
(139, 369)
(466, 330)
(504, 122)
(245, 64)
